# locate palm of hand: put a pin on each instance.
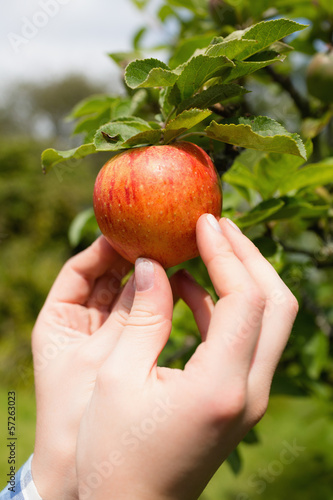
(75, 332)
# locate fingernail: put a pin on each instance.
(144, 274)
(232, 224)
(213, 222)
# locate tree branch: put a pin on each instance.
(285, 82)
(225, 112)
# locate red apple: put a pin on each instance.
(147, 201)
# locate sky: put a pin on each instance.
(44, 39)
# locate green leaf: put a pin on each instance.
(281, 208)
(316, 355)
(140, 4)
(229, 48)
(165, 12)
(273, 169)
(127, 132)
(240, 176)
(241, 173)
(267, 246)
(137, 101)
(135, 120)
(265, 33)
(186, 120)
(187, 47)
(92, 105)
(138, 37)
(124, 107)
(244, 68)
(316, 174)
(84, 222)
(212, 95)
(164, 101)
(251, 437)
(89, 125)
(149, 73)
(281, 48)
(311, 127)
(235, 461)
(259, 133)
(283, 384)
(263, 211)
(296, 207)
(51, 157)
(196, 72)
(122, 59)
(263, 172)
(152, 136)
(198, 7)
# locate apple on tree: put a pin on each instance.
(319, 77)
(147, 201)
(148, 198)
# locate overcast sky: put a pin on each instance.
(43, 39)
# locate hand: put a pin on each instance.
(156, 433)
(80, 322)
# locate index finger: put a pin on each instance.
(76, 279)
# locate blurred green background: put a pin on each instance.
(37, 212)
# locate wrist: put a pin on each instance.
(54, 475)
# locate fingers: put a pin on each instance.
(236, 321)
(252, 321)
(76, 280)
(148, 325)
(112, 328)
(196, 297)
(280, 311)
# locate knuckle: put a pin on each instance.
(121, 317)
(70, 263)
(287, 301)
(255, 299)
(235, 404)
(220, 257)
(228, 405)
(259, 409)
(145, 318)
(223, 252)
(293, 305)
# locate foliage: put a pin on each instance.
(205, 79)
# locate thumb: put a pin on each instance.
(149, 323)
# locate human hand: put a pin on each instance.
(157, 433)
(74, 334)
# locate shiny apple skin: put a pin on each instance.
(147, 201)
